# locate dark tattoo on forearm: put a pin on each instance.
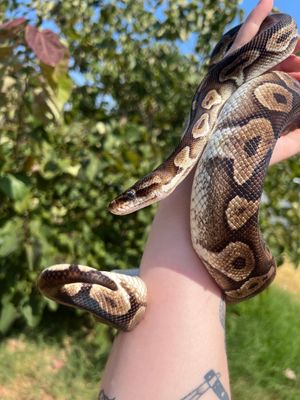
(222, 312)
(103, 396)
(211, 381)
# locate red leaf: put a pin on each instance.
(10, 28)
(45, 44)
(13, 24)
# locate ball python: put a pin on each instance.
(238, 112)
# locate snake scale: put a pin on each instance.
(238, 112)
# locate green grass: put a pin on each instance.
(34, 370)
(36, 366)
(263, 340)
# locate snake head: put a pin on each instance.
(142, 194)
(123, 204)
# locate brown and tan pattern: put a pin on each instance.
(234, 72)
(281, 39)
(230, 176)
(246, 148)
(239, 210)
(238, 112)
(211, 99)
(201, 127)
(114, 298)
(274, 97)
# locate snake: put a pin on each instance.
(238, 112)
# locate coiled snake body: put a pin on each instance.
(237, 114)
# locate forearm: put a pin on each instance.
(182, 337)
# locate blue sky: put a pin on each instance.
(291, 7)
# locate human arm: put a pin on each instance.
(181, 338)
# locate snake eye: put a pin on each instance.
(130, 194)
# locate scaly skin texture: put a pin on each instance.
(233, 144)
(274, 42)
(230, 176)
(114, 298)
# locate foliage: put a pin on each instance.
(71, 139)
(281, 210)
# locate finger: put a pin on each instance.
(286, 146)
(251, 26)
(295, 75)
(297, 46)
(291, 64)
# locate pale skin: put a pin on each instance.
(181, 337)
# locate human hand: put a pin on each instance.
(287, 145)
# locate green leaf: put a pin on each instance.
(8, 315)
(31, 319)
(11, 236)
(13, 187)
(59, 81)
(101, 127)
(92, 168)
(30, 255)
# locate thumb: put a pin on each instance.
(252, 23)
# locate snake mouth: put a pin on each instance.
(115, 208)
(139, 196)
(125, 204)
